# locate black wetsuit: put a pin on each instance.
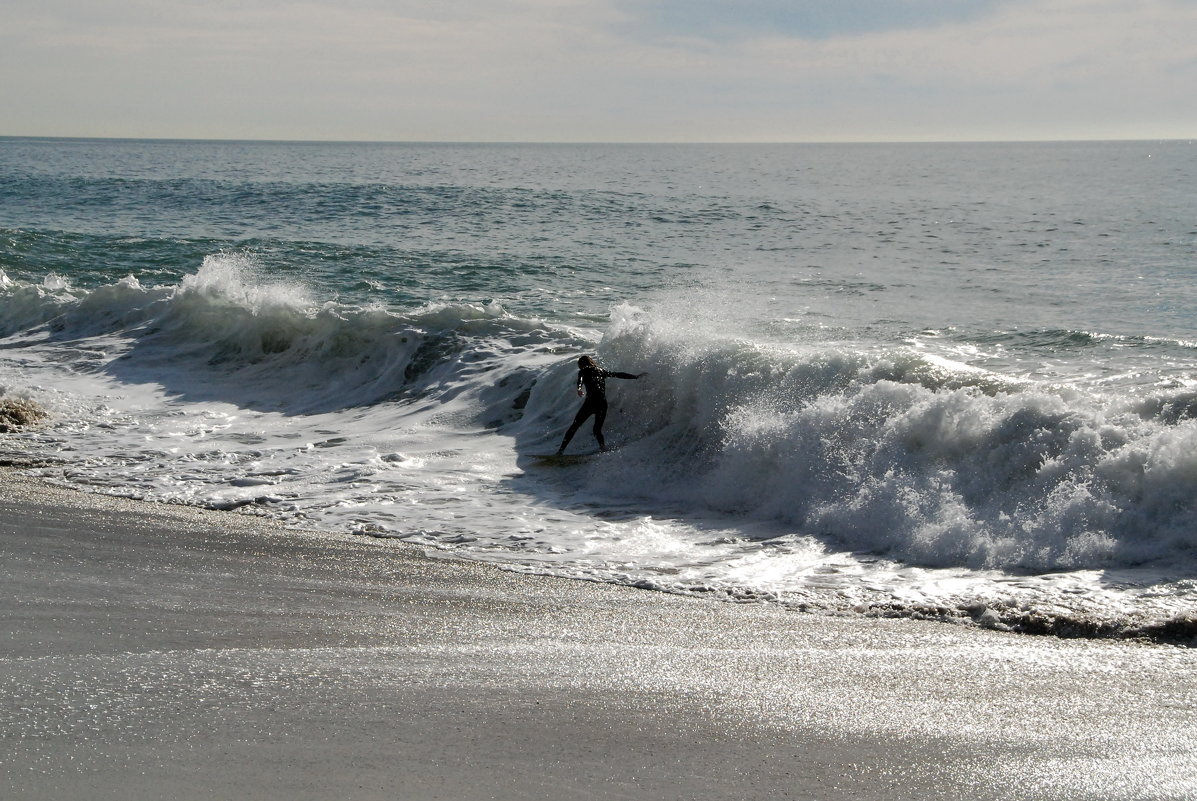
(594, 381)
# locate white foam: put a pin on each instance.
(821, 475)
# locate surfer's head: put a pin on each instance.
(586, 361)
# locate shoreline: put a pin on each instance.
(156, 651)
(1007, 615)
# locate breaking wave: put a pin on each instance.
(888, 451)
(903, 455)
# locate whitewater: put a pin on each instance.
(950, 381)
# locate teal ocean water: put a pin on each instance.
(953, 380)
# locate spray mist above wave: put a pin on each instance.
(902, 455)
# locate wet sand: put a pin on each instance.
(160, 652)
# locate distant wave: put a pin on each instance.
(224, 333)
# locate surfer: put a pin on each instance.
(592, 381)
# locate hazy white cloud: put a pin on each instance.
(720, 20)
(600, 69)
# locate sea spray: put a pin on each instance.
(918, 463)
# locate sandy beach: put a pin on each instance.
(167, 652)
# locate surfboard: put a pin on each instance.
(563, 458)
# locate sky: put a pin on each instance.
(600, 70)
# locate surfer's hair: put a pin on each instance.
(586, 361)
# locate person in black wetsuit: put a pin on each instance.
(592, 379)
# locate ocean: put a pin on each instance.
(955, 381)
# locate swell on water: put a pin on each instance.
(884, 451)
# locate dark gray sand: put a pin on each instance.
(161, 652)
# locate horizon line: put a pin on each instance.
(629, 142)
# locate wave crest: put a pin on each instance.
(224, 333)
(901, 455)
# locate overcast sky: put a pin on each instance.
(600, 70)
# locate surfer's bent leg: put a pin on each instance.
(600, 415)
(586, 410)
